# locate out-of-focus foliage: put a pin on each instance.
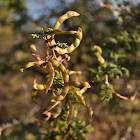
(113, 27)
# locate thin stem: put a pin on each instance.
(67, 99)
(47, 49)
(67, 131)
(53, 53)
(106, 79)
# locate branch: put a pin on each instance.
(16, 122)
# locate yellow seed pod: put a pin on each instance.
(97, 49)
(67, 15)
(101, 60)
(38, 86)
(60, 98)
(33, 48)
(120, 20)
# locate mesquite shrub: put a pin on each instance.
(66, 93)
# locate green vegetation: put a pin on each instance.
(95, 52)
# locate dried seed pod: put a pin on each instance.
(39, 86)
(46, 112)
(81, 91)
(80, 97)
(79, 83)
(33, 94)
(51, 74)
(61, 67)
(65, 75)
(49, 81)
(101, 60)
(58, 111)
(67, 15)
(30, 64)
(63, 94)
(82, 101)
(74, 45)
(97, 49)
(74, 72)
(33, 51)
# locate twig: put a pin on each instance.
(125, 98)
(106, 79)
(14, 123)
(107, 6)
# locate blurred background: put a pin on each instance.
(114, 26)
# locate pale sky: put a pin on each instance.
(35, 9)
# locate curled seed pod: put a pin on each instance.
(74, 45)
(101, 60)
(81, 91)
(67, 15)
(82, 101)
(97, 49)
(64, 93)
(38, 86)
(45, 119)
(51, 74)
(80, 97)
(79, 83)
(49, 81)
(74, 72)
(33, 94)
(33, 48)
(33, 51)
(65, 78)
(30, 64)
(56, 93)
(58, 111)
(46, 112)
(62, 69)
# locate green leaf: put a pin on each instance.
(97, 75)
(106, 92)
(62, 45)
(48, 31)
(125, 71)
(89, 129)
(113, 40)
(58, 81)
(116, 71)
